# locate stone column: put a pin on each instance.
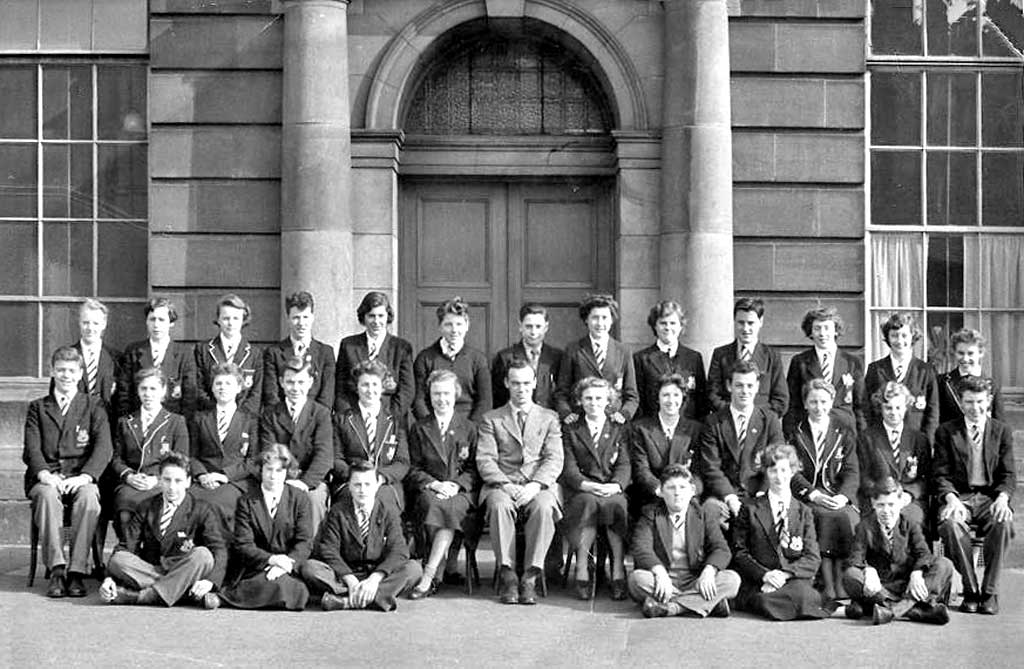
(696, 264)
(316, 225)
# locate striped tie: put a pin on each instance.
(165, 518)
(741, 430)
(273, 507)
(826, 367)
(371, 429)
(819, 443)
(677, 521)
(976, 437)
(899, 372)
(746, 354)
(223, 422)
(293, 412)
(887, 535)
(372, 353)
(91, 369)
(894, 444)
(780, 521)
(157, 361)
(364, 523)
(600, 356)
(63, 402)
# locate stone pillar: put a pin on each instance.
(696, 264)
(316, 225)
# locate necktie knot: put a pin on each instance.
(521, 420)
(63, 402)
(165, 518)
(370, 423)
(364, 522)
(741, 429)
(826, 367)
(746, 354)
(677, 521)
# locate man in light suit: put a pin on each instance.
(519, 457)
(544, 358)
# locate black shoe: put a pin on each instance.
(989, 606)
(721, 610)
(882, 615)
(929, 612)
(528, 586)
(508, 586)
(854, 611)
(423, 594)
(74, 586)
(56, 587)
(654, 609)
(970, 603)
(620, 590)
(582, 589)
(453, 578)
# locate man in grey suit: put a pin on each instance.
(519, 456)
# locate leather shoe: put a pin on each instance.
(56, 587)
(453, 578)
(652, 608)
(969, 605)
(211, 601)
(75, 587)
(882, 615)
(508, 586)
(929, 612)
(854, 611)
(620, 590)
(721, 610)
(989, 606)
(332, 602)
(528, 587)
(422, 594)
(582, 589)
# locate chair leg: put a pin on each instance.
(33, 552)
(567, 568)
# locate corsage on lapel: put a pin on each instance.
(175, 390)
(463, 453)
(796, 543)
(848, 384)
(920, 403)
(389, 384)
(245, 444)
(81, 437)
(165, 447)
(910, 468)
(691, 383)
(247, 375)
(186, 545)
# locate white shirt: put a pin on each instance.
(375, 344)
(90, 352)
(443, 422)
(902, 364)
(369, 415)
(599, 346)
(304, 343)
(595, 427)
(668, 428)
(226, 410)
(158, 350)
(736, 413)
(147, 418)
(296, 408)
(229, 347)
(64, 400)
(820, 352)
(451, 350)
(740, 348)
(272, 499)
(668, 349)
(774, 500)
(818, 429)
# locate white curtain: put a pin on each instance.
(897, 281)
(994, 274)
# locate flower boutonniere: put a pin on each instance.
(176, 391)
(389, 384)
(81, 436)
(618, 384)
(920, 403)
(245, 444)
(464, 453)
(165, 447)
(848, 380)
(691, 383)
(186, 545)
(910, 469)
(796, 543)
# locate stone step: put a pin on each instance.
(14, 522)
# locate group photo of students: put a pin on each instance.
(288, 476)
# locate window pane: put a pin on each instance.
(67, 180)
(896, 108)
(67, 258)
(122, 254)
(1002, 33)
(896, 188)
(897, 262)
(1005, 355)
(1002, 116)
(17, 180)
(994, 271)
(952, 188)
(67, 102)
(945, 271)
(952, 29)
(19, 325)
(952, 113)
(121, 102)
(18, 258)
(1002, 193)
(18, 103)
(60, 327)
(122, 181)
(66, 24)
(895, 27)
(941, 326)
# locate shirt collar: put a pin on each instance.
(69, 397)
(226, 344)
(736, 413)
(980, 424)
(592, 424)
(375, 342)
(296, 406)
(451, 350)
(740, 346)
(596, 345)
(369, 413)
(158, 347)
(668, 349)
(774, 500)
(93, 349)
(367, 508)
(228, 408)
(822, 351)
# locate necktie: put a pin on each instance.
(293, 412)
(449, 351)
(372, 350)
(976, 436)
(532, 356)
(63, 402)
(273, 506)
(826, 367)
(371, 429)
(819, 442)
(741, 430)
(158, 357)
(300, 349)
(145, 420)
(364, 523)
(746, 354)
(899, 372)
(599, 356)
(780, 522)
(521, 419)
(229, 352)
(677, 521)
(595, 433)
(442, 427)
(222, 424)
(165, 518)
(91, 369)
(887, 535)
(894, 444)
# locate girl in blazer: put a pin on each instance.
(667, 356)
(229, 346)
(969, 351)
(442, 478)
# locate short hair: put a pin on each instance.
(371, 301)
(370, 368)
(897, 320)
(889, 390)
(92, 304)
(533, 308)
(280, 453)
(443, 375)
(67, 354)
(678, 470)
(454, 307)
(968, 336)
(300, 300)
(150, 373)
(234, 301)
(589, 382)
(598, 301)
(674, 379)
(774, 453)
(227, 369)
(174, 459)
(519, 363)
(664, 309)
(360, 466)
(157, 302)
(296, 364)
(755, 304)
(974, 384)
(822, 314)
(743, 367)
(817, 384)
(886, 486)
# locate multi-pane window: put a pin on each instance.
(947, 174)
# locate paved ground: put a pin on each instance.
(452, 630)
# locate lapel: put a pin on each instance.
(159, 421)
(814, 365)
(135, 427)
(209, 423)
(436, 440)
(362, 351)
(146, 353)
(989, 447)
(171, 356)
(763, 515)
(351, 523)
(511, 425)
(729, 432)
(805, 440)
(961, 444)
(179, 523)
(663, 523)
(676, 447)
(302, 419)
(694, 535)
(52, 411)
(833, 443)
(899, 541)
(760, 357)
(587, 352)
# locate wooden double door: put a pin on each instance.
(499, 244)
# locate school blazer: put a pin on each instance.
(448, 458)
(236, 457)
(249, 359)
(912, 470)
(838, 471)
(195, 523)
(107, 371)
(607, 461)
(547, 374)
(579, 362)
(705, 545)
(320, 357)
(920, 380)
(399, 388)
(178, 366)
(772, 392)
(340, 544)
(78, 443)
(389, 451)
(258, 536)
(651, 364)
(470, 365)
(650, 451)
(949, 397)
(728, 467)
(503, 455)
(756, 547)
(951, 466)
(850, 401)
(909, 551)
(310, 438)
(140, 453)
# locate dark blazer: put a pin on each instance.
(756, 548)
(258, 536)
(651, 364)
(135, 452)
(728, 468)
(310, 438)
(850, 401)
(178, 365)
(247, 356)
(913, 470)
(236, 457)
(389, 451)
(951, 464)
(578, 362)
(772, 392)
(399, 388)
(920, 380)
(340, 545)
(949, 397)
(107, 372)
(909, 550)
(470, 365)
(705, 545)
(838, 471)
(321, 360)
(604, 462)
(547, 374)
(650, 451)
(78, 443)
(452, 458)
(194, 523)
